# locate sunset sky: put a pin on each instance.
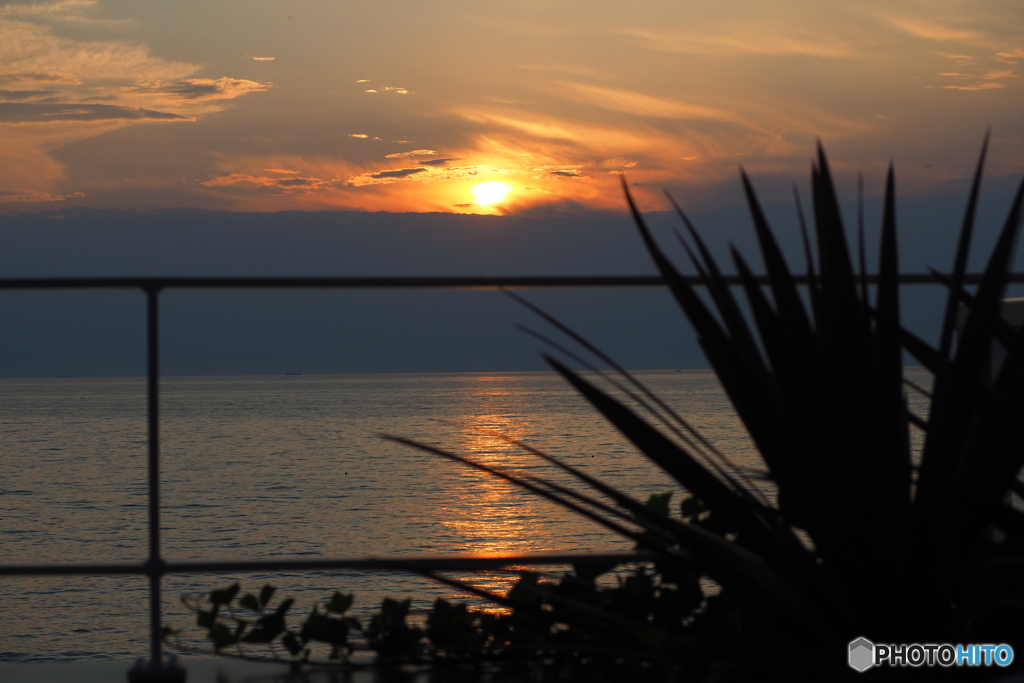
(267, 105)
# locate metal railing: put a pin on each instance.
(155, 567)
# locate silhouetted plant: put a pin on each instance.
(529, 633)
(865, 537)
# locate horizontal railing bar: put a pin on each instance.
(471, 282)
(396, 563)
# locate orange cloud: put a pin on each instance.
(199, 89)
(34, 196)
(979, 86)
(295, 184)
(922, 28)
(729, 39)
(413, 153)
(55, 90)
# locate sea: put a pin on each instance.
(295, 466)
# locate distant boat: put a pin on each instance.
(293, 373)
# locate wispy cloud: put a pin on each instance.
(386, 88)
(35, 197)
(978, 73)
(413, 153)
(203, 89)
(398, 173)
(931, 30)
(640, 104)
(64, 12)
(729, 40)
(426, 172)
(1010, 57)
(295, 184)
(18, 78)
(262, 59)
(435, 162)
(975, 86)
(26, 112)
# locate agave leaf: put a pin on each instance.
(749, 389)
(892, 408)
(925, 353)
(1009, 520)
(652, 520)
(629, 503)
(688, 433)
(721, 294)
(938, 445)
(668, 417)
(749, 519)
(613, 526)
(973, 441)
(667, 455)
(1004, 332)
(800, 562)
(813, 287)
(794, 377)
(623, 500)
(962, 250)
(861, 250)
(965, 388)
(997, 432)
(787, 299)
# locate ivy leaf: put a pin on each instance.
(225, 595)
(292, 643)
(691, 507)
(589, 571)
(266, 593)
(221, 636)
(340, 602)
(250, 601)
(659, 502)
(206, 619)
(284, 607)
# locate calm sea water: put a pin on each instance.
(259, 467)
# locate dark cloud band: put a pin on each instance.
(398, 173)
(29, 112)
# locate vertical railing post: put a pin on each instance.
(155, 566)
(155, 563)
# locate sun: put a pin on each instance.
(490, 192)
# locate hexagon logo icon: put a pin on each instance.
(862, 654)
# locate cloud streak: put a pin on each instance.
(413, 153)
(291, 185)
(24, 112)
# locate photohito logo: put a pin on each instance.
(863, 654)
